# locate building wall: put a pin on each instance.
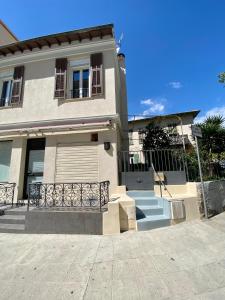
(5, 36)
(38, 100)
(136, 126)
(39, 105)
(107, 160)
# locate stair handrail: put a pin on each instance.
(161, 182)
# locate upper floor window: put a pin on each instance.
(130, 136)
(141, 135)
(80, 84)
(172, 128)
(11, 87)
(80, 78)
(6, 93)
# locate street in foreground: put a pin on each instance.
(185, 261)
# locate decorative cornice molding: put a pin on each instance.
(57, 52)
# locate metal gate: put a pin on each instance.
(137, 168)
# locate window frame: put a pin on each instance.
(79, 68)
(141, 136)
(131, 136)
(8, 98)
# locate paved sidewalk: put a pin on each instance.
(185, 261)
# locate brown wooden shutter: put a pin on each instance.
(60, 78)
(97, 74)
(17, 89)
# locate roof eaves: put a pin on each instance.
(192, 112)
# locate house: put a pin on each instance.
(178, 126)
(63, 108)
(64, 140)
(6, 35)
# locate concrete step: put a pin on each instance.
(146, 198)
(12, 228)
(16, 211)
(141, 193)
(146, 202)
(152, 222)
(12, 219)
(152, 210)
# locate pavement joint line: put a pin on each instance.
(87, 283)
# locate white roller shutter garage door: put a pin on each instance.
(77, 162)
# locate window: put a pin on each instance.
(172, 128)
(11, 86)
(130, 136)
(79, 79)
(141, 135)
(80, 84)
(6, 93)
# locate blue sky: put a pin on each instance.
(174, 48)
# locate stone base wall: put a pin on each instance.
(215, 196)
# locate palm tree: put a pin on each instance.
(213, 138)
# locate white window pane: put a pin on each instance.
(36, 161)
(5, 158)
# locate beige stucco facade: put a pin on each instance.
(64, 121)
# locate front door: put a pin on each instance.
(34, 168)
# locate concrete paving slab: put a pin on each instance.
(185, 261)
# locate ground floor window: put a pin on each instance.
(5, 159)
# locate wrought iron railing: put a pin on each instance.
(7, 193)
(79, 93)
(83, 195)
(141, 161)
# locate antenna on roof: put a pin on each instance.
(119, 43)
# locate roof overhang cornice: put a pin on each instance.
(57, 52)
(58, 39)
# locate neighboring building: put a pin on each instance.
(177, 125)
(63, 108)
(6, 35)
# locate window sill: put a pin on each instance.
(68, 100)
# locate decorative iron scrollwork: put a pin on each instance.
(87, 195)
(7, 193)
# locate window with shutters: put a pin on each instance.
(130, 136)
(79, 79)
(6, 80)
(141, 136)
(85, 77)
(60, 78)
(11, 87)
(97, 74)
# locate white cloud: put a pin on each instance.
(212, 112)
(154, 106)
(135, 117)
(175, 85)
